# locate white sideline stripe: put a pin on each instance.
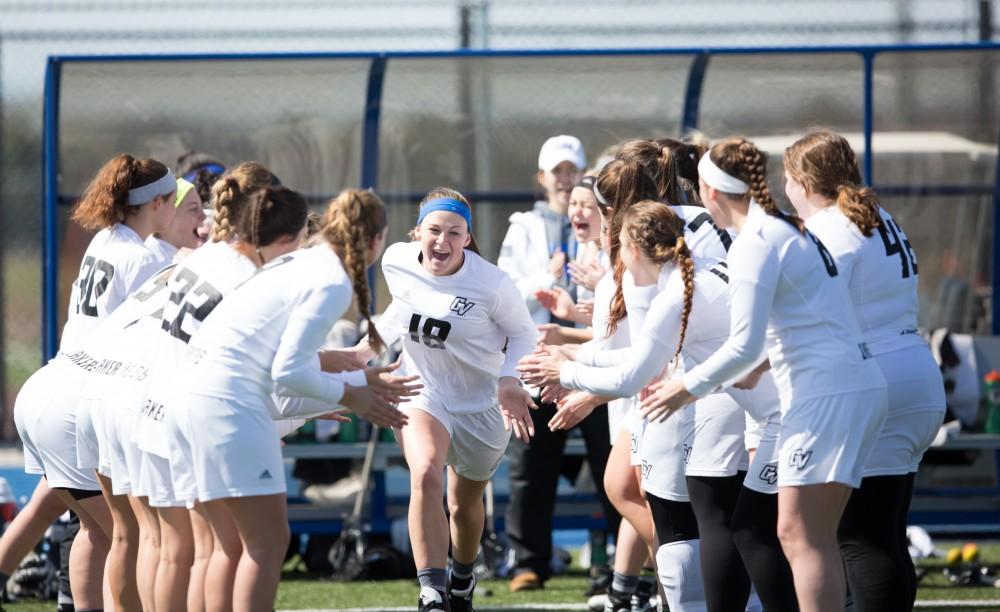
(957, 603)
(513, 607)
(925, 603)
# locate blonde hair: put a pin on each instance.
(351, 221)
(659, 234)
(446, 192)
(229, 195)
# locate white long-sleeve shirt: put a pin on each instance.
(265, 336)
(881, 275)
(785, 293)
(461, 332)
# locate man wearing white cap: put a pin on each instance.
(534, 254)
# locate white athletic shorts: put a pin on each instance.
(156, 483)
(634, 424)
(762, 476)
(180, 459)
(916, 410)
(31, 400)
(234, 445)
(665, 448)
(124, 455)
(829, 438)
(617, 409)
(478, 439)
(54, 431)
(87, 435)
(718, 448)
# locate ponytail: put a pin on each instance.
(659, 234)
(352, 220)
(741, 159)
(269, 214)
(824, 162)
(229, 195)
(105, 200)
(659, 163)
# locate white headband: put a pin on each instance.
(715, 177)
(161, 186)
(597, 194)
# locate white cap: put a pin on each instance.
(562, 148)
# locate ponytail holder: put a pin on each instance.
(448, 205)
(717, 178)
(162, 186)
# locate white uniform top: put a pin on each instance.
(455, 328)
(265, 336)
(115, 264)
(145, 302)
(785, 289)
(163, 250)
(704, 239)
(625, 372)
(881, 274)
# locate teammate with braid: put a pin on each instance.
(464, 325)
(876, 260)
(786, 297)
(687, 310)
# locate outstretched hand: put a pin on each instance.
(664, 398)
(515, 404)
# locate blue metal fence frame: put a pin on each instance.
(373, 109)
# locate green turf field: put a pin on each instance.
(301, 591)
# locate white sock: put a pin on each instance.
(678, 565)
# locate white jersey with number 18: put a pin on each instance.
(460, 332)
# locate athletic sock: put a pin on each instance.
(679, 567)
(461, 575)
(624, 584)
(433, 577)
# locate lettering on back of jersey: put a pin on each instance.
(461, 306)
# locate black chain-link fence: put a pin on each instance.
(453, 145)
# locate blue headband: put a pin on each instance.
(448, 205)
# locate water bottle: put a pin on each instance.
(991, 392)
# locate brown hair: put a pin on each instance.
(825, 164)
(658, 161)
(105, 201)
(621, 183)
(352, 220)
(270, 213)
(229, 195)
(742, 159)
(659, 234)
(445, 192)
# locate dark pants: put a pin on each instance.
(534, 475)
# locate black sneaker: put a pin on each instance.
(599, 580)
(617, 602)
(460, 600)
(432, 600)
(645, 597)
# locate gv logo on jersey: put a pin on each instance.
(769, 473)
(647, 467)
(687, 453)
(799, 459)
(461, 306)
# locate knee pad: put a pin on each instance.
(679, 567)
